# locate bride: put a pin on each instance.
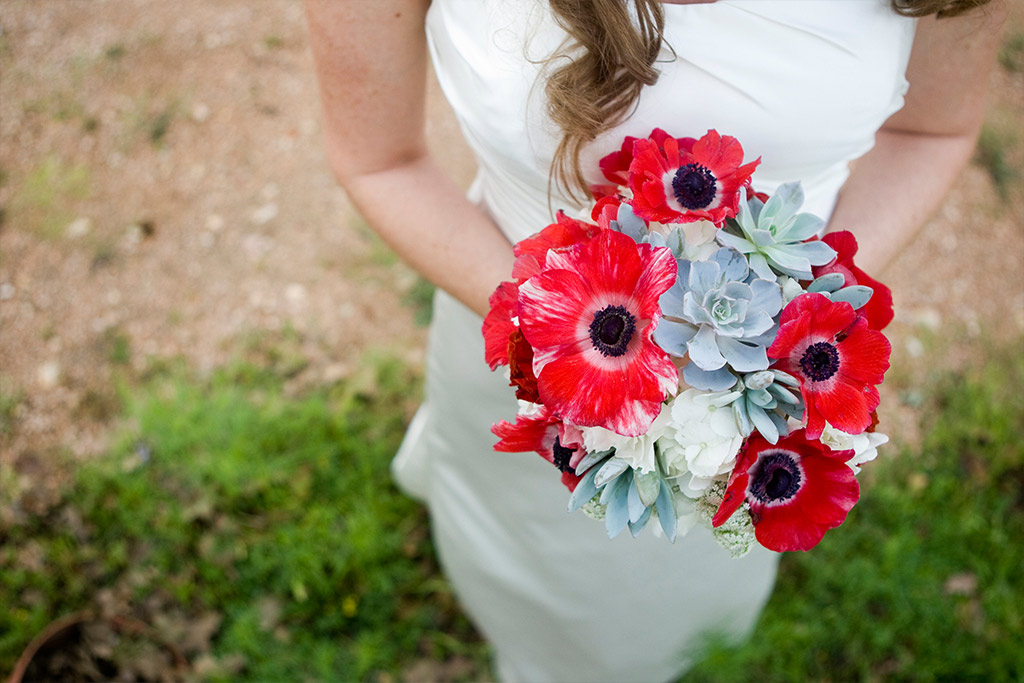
(542, 90)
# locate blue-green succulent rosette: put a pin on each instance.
(721, 316)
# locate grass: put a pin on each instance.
(268, 523)
(43, 201)
(992, 153)
(276, 514)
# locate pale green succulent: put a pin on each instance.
(621, 496)
(773, 235)
(765, 403)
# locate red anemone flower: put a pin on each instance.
(615, 166)
(520, 367)
(498, 325)
(531, 253)
(797, 490)
(589, 317)
(673, 185)
(878, 310)
(837, 358)
(546, 435)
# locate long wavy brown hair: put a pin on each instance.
(596, 76)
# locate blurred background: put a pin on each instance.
(207, 359)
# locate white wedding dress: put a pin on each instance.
(803, 84)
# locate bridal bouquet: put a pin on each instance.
(696, 353)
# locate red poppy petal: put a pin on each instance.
(659, 274)
(846, 407)
(651, 374)
(497, 325)
(551, 306)
(815, 422)
(791, 333)
(735, 494)
(718, 154)
(830, 317)
(864, 355)
(611, 263)
(831, 491)
(878, 310)
(527, 434)
(844, 244)
(590, 396)
(784, 529)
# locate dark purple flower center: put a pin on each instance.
(820, 361)
(562, 455)
(778, 477)
(694, 186)
(612, 329)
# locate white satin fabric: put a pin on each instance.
(804, 84)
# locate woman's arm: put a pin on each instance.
(371, 64)
(922, 148)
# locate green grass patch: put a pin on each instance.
(1011, 53)
(42, 203)
(275, 515)
(924, 580)
(992, 153)
(268, 522)
(420, 298)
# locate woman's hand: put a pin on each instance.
(371, 64)
(922, 148)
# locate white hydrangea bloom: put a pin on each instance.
(700, 240)
(702, 439)
(864, 445)
(636, 451)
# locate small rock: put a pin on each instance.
(214, 222)
(113, 297)
(206, 239)
(961, 584)
(929, 318)
(264, 214)
(200, 112)
(7, 291)
(79, 227)
(914, 347)
(917, 481)
(269, 192)
(347, 310)
(48, 374)
(295, 293)
(132, 236)
(335, 372)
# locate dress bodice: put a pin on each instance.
(803, 85)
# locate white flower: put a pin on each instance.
(636, 451)
(702, 440)
(700, 240)
(864, 445)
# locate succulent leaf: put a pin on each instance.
(828, 282)
(855, 295)
(666, 508)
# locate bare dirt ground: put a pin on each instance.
(165, 194)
